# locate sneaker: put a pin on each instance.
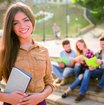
(98, 89)
(64, 95)
(64, 82)
(58, 80)
(79, 98)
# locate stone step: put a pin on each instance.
(55, 99)
(99, 97)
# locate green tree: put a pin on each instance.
(9, 1)
(94, 9)
(2, 1)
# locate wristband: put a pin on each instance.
(101, 62)
(65, 66)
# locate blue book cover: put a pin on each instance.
(18, 81)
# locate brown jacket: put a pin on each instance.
(37, 63)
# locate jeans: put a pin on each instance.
(91, 74)
(75, 84)
(66, 72)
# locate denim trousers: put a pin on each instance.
(91, 74)
(65, 72)
(74, 84)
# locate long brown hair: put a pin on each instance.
(10, 41)
(80, 52)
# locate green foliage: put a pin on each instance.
(8, 1)
(39, 17)
(1, 1)
(94, 7)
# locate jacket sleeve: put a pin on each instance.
(48, 73)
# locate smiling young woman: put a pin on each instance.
(18, 49)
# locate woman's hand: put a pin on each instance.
(14, 97)
(31, 99)
(91, 68)
(61, 64)
(99, 61)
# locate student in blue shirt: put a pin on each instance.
(63, 71)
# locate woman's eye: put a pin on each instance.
(15, 23)
(26, 20)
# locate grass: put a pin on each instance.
(60, 18)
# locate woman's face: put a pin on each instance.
(80, 45)
(22, 25)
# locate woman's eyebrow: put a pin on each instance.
(22, 19)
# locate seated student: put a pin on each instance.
(81, 49)
(62, 71)
(93, 72)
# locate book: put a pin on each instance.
(18, 81)
(91, 61)
(62, 59)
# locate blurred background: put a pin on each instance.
(74, 17)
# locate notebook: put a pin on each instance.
(18, 81)
(64, 60)
(91, 61)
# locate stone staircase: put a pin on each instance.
(91, 98)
